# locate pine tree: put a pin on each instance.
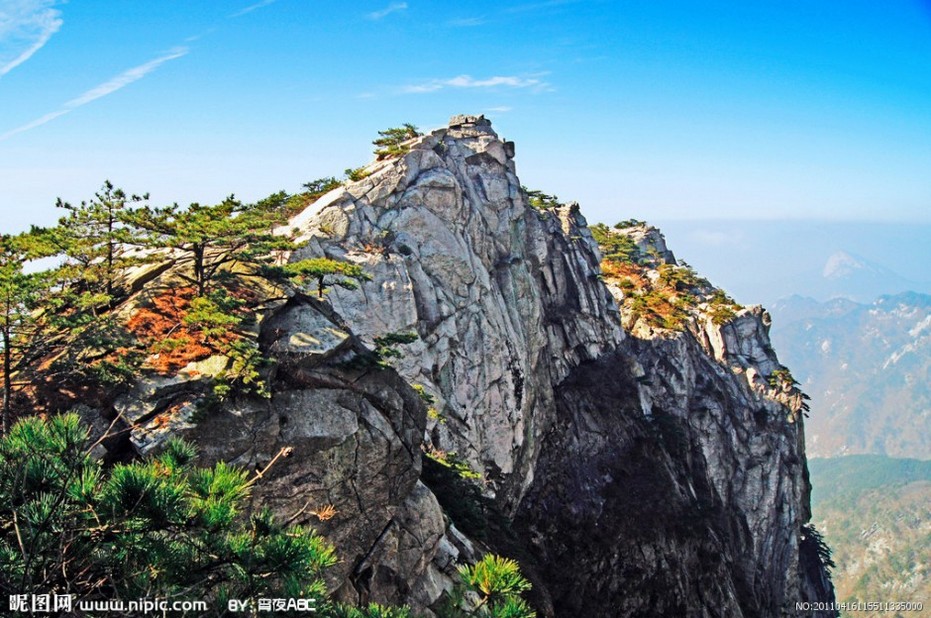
(496, 583)
(213, 239)
(98, 249)
(319, 186)
(160, 527)
(391, 141)
(320, 270)
(98, 245)
(20, 318)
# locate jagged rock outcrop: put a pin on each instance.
(654, 473)
(339, 439)
(502, 299)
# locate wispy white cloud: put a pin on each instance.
(38, 122)
(394, 7)
(196, 37)
(467, 81)
(25, 27)
(466, 22)
(125, 78)
(500, 109)
(251, 7)
(108, 87)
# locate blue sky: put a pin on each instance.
(653, 109)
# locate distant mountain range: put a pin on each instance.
(867, 368)
(849, 276)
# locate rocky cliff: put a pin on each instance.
(633, 469)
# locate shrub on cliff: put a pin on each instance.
(319, 186)
(491, 588)
(319, 270)
(390, 142)
(618, 248)
(540, 200)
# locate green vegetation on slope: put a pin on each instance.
(875, 514)
(850, 476)
(103, 311)
(160, 527)
(656, 293)
(168, 529)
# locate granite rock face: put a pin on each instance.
(339, 440)
(650, 473)
(501, 297)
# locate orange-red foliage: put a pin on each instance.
(171, 343)
(625, 270)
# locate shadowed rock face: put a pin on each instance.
(354, 430)
(618, 500)
(696, 505)
(647, 474)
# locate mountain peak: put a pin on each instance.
(843, 264)
(470, 121)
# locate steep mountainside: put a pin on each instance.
(874, 513)
(629, 436)
(867, 368)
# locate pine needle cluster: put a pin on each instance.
(156, 528)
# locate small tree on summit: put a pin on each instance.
(391, 142)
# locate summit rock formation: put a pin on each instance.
(638, 471)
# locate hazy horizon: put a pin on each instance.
(759, 262)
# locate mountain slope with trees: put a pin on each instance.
(874, 513)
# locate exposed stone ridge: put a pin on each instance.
(724, 419)
(499, 294)
(735, 336)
